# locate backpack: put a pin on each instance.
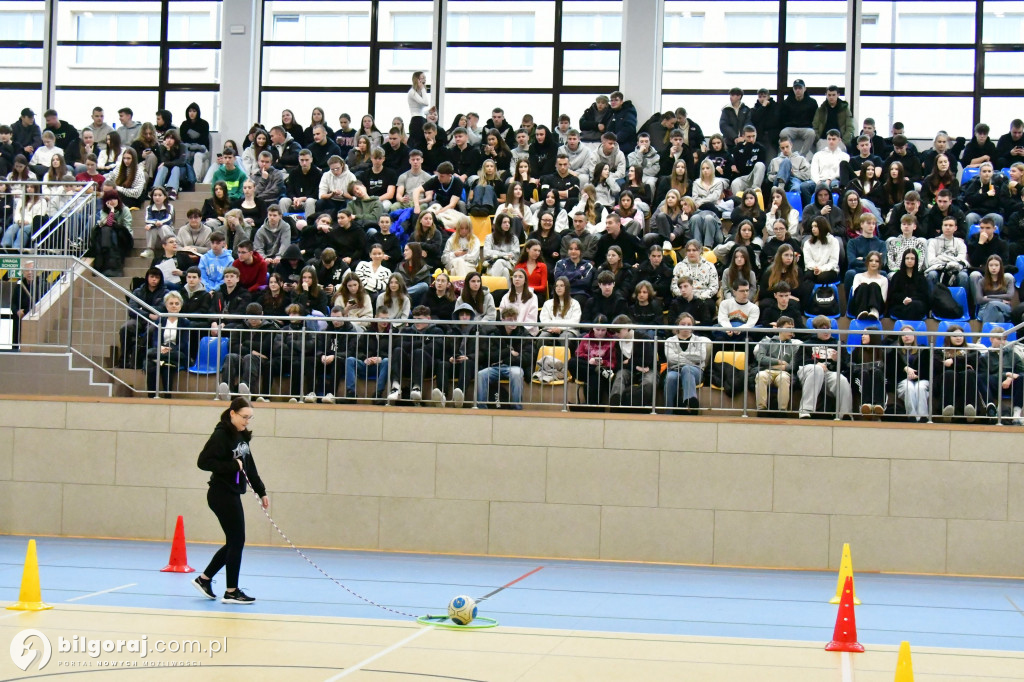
(944, 305)
(484, 201)
(824, 302)
(727, 377)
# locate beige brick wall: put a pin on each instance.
(737, 492)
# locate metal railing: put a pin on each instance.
(58, 223)
(829, 373)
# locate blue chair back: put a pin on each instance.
(1018, 276)
(968, 175)
(976, 228)
(853, 338)
(795, 201)
(916, 325)
(212, 350)
(960, 296)
(990, 327)
(810, 320)
(943, 328)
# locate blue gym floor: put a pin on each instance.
(970, 613)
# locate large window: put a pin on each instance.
(21, 57)
(146, 55)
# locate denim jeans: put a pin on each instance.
(687, 375)
(17, 236)
(515, 384)
(785, 176)
(162, 179)
(355, 366)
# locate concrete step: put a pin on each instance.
(50, 374)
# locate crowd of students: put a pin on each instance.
(606, 220)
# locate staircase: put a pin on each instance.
(47, 374)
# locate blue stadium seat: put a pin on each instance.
(1018, 276)
(968, 175)
(853, 339)
(810, 319)
(975, 229)
(212, 350)
(917, 325)
(944, 327)
(795, 201)
(960, 296)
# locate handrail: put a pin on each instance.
(86, 189)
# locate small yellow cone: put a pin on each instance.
(30, 598)
(904, 668)
(845, 570)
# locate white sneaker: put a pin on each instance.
(395, 395)
(148, 253)
(310, 398)
(293, 400)
(223, 391)
(261, 399)
(328, 399)
(970, 412)
(438, 397)
(458, 397)
(244, 392)
(416, 394)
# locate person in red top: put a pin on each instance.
(252, 267)
(532, 261)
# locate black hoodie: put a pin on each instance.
(542, 156)
(218, 456)
(195, 132)
(797, 114)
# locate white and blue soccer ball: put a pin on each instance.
(462, 610)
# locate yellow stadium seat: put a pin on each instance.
(557, 352)
(481, 226)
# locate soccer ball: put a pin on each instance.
(462, 610)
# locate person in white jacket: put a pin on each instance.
(685, 354)
(560, 308)
(522, 299)
(947, 254)
(501, 247)
(462, 251)
(821, 254)
(580, 156)
(824, 167)
(418, 97)
(334, 186)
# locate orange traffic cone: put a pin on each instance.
(845, 636)
(30, 598)
(178, 563)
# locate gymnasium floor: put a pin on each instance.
(559, 620)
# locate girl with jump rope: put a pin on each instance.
(227, 456)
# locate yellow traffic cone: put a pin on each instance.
(904, 668)
(30, 598)
(845, 570)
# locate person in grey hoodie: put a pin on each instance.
(580, 156)
(273, 237)
(610, 154)
(774, 356)
(647, 158)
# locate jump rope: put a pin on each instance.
(427, 619)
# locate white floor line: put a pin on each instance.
(397, 645)
(112, 589)
(847, 666)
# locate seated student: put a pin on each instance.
(947, 257)
(172, 263)
(737, 311)
(159, 222)
(353, 296)
(213, 262)
(821, 207)
(870, 289)
(229, 299)
(290, 268)
(911, 205)
(781, 304)
(454, 360)
(372, 273)
(606, 301)
(817, 368)
(321, 146)
(980, 149)
(637, 361)
(216, 208)
(895, 247)
(441, 195)
(929, 223)
(982, 196)
(501, 247)
(738, 268)
(329, 355)
(368, 355)
(780, 236)
(775, 356)
(276, 298)
(168, 348)
(853, 170)
(903, 153)
(366, 210)
(295, 355)
(940, 147)
(703, 278)
(522, 300)
(956, 365)
(273, 236)
(615, 235)
(984, 244)
(1003, 371)
(478, 297)
(995, 291)
(789, 169)
(251, 266)
(395, 299)
(532, 262)
(333, 190)
(330, 271)
(941, 177)
(908, 289)
(868, 369)
(686, 355)
(462, 250)
(413, 353)
(559, 309)
(194, 237)
(441, 297)
(825, 167)
(301, 189)
(310, 295)
(269, 182)
(250, 348)
(911, 369)
(686, 302)
(593, 363)
(149, 294)
(858, 248)
(821, 254)
(748, 162)
(508, 354)
(230, 174)
(655, 271)
(348, 241)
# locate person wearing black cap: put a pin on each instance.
(797, 117)
(25, 134)
(227, 456)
